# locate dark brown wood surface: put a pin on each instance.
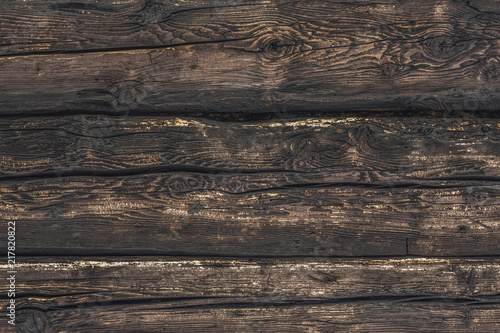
(251, 166)
(248, 56)
(227, 295)
(317, 187)
(206, 215)
(363, 150)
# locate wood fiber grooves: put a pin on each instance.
(241, 56)
(379, 151)
(182, 213)
(178, 294)
(375, 316)
(251, 166)
(308, 187)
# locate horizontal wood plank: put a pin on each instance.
(282, 215)
(186, 295)
(264, 216)
(323, 187)
(33, 26)
(372, 316)
(363, 150)
(242, 56)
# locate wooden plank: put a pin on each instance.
(374, 316)
(62, 281)
(389, 55)
(248, 215)
(362, 150)
(187, 295)
(49, 25)
(342, 187)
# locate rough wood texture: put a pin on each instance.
(369, 316)
(346, 224)
(213, 295)
(322, 187)
(364, 150)
(33, 26)
(193, 214)
(183, 56)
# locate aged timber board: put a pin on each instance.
(248, 56)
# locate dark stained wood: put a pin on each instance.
(370, 316)
(51, 25)
(241, 215)
(137, 211)
(107, 279)
(242, 56)
(382, 151)
(214, 295)
(42, 26)
(312, 187)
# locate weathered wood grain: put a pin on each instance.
(191, 295)
(246, 56)
(132, 183)
(380, 151)
(141, 185)
(262, 214)
(48, 282)
(371, 316)
(52, 25)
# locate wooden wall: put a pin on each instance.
(251, 166)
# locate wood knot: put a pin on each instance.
(32, 321)
(485, 128)
(444, 47)
(388, 69)
(181, 184)
(302, 152)
(153, 12)
(235, 185)
(361, 133)
(277, 46)
(273, 43)
(475, 198)
(127, 94)
(489, 70)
